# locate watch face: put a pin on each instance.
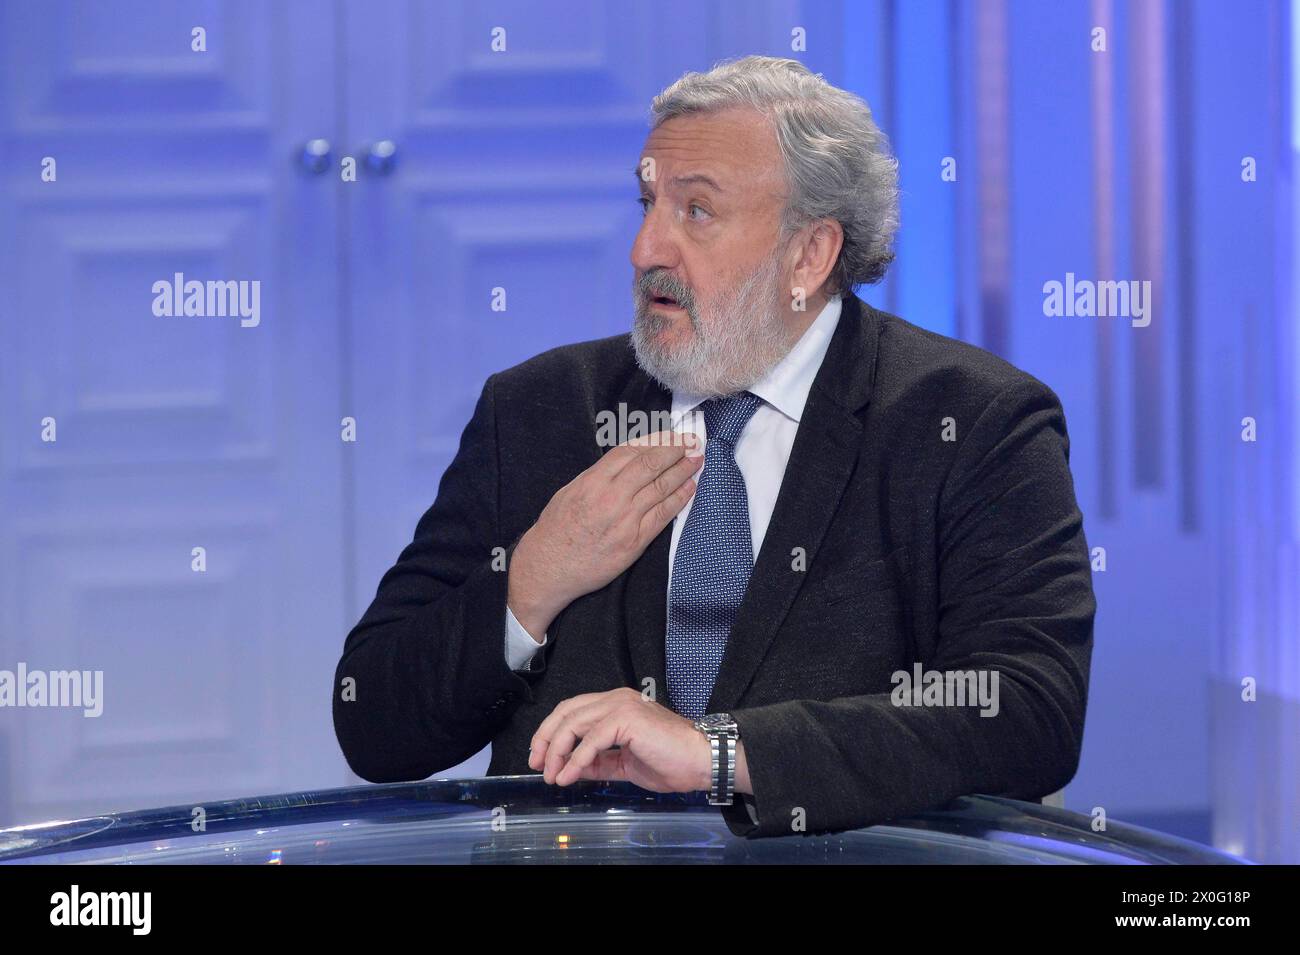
(717, 721)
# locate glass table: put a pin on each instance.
(522, 820)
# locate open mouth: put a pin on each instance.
(665, 301)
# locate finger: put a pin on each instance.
(608, 764)
(667, 482)
(666, 438)
(595, 741)
(658, 517)
(576, 724)
(617, 458)
(652, 459)
(537, 746)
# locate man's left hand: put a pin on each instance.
(657, 750)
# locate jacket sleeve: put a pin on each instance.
(1015, 597)
(423, 683)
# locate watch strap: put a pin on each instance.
(723, 734)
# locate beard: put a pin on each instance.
(735, 339)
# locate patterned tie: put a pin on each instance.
(712, 563)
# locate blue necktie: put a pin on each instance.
(712, 563)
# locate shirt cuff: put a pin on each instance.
(520, 646)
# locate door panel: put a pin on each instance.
(172, 432)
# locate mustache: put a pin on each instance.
(657, 282)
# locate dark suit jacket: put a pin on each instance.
(961, 554)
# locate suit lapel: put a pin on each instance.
(821, 462)
(645, 597)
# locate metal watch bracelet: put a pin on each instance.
(722, 733)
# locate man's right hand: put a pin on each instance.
(598, 524)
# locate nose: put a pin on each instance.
(655, 245)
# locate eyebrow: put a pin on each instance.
(698, 177)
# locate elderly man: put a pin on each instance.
(849, 581)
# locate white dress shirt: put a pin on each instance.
(761, 453)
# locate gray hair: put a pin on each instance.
(838, 164)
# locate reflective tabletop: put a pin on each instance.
(521, 819)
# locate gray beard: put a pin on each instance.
(745, 336)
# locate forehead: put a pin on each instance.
(736, 146)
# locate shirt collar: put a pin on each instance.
(786, 385)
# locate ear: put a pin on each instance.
(817, 247)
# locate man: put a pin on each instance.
(842, 505)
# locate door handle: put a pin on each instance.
(314, 157)
(381, 157)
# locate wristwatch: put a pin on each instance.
(722, 732)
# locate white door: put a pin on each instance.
(172, 433)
